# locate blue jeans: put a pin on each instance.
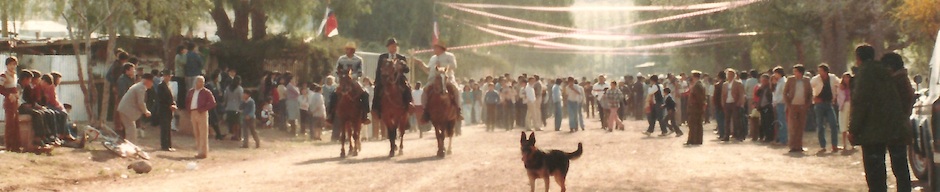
(574, 114)
(656, 115)
(782, 119)
(720, 119)
(557, 105)
(581, 114)
(825, 112)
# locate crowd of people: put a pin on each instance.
(775, 106)
(33, 93)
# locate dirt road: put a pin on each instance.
(490, 161)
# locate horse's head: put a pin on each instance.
(390, 71)
(344, 74)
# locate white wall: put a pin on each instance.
(67, 93)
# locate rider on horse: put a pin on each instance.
(352, 63)
(391, 58)
(448, 63)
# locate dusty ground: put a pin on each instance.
(482, 161)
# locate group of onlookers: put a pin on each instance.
(34, 93)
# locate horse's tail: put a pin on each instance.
(576, 154)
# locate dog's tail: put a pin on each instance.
(576, 154)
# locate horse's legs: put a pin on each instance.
(401, 137)
(450, 144)
(342, 143)
(439, 134)
(450, 140)
(358, 134)
(391, 138)
(351, 138)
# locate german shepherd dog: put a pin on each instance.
(540, 164)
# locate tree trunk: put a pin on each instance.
(89, 98)
(4, 30)
(89, 94)
(112, 45)
(258, 20)
(800, 55)
(240, 26)
(168, 51)
(875, 30)
(222, 22)
(834, 43)
(746, 63)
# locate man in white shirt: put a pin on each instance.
(655, 106)
(353, 64)
(780, 81)
(825, 86)
(418, 94)
(534, 115)
(598, 91)
(448, 63)
(574, 97)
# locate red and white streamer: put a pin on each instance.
(523, 21)
(595, 8)
(621, 37)
(687, 15)
(540, 40)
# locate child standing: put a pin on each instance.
(492, 102)
(613, 97)
(670, 105)
(318, 111)
(267, 111)
(248, 125)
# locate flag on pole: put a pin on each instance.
(437, 33)
(329, 24)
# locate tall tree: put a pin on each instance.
(83, 18)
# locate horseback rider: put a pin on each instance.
(352, 64)
(390, 58)
(442, 62)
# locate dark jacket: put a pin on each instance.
(379, 79)
(716, 95)
(905, 90)
(193, 65)
(877, 109)
(115, 71)
(164, 99)
(697, 101)
(123, 83)
(670, 104)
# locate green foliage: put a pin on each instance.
(168, 17)
(247, 57)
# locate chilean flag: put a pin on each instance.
(437, 33)
(329, 25)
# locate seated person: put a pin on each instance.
(32, 98)
(54, 107)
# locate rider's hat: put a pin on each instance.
(441, 44)
(350, 45)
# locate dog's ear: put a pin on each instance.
(532, 138)
(523, 140)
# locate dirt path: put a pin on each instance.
(482, 161)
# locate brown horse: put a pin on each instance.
(440, 106)
(349, 113)
(394, 113)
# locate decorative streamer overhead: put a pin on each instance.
(500, 17)
(697, 38)
(622, 37)
(686, 15)
(596, 8)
